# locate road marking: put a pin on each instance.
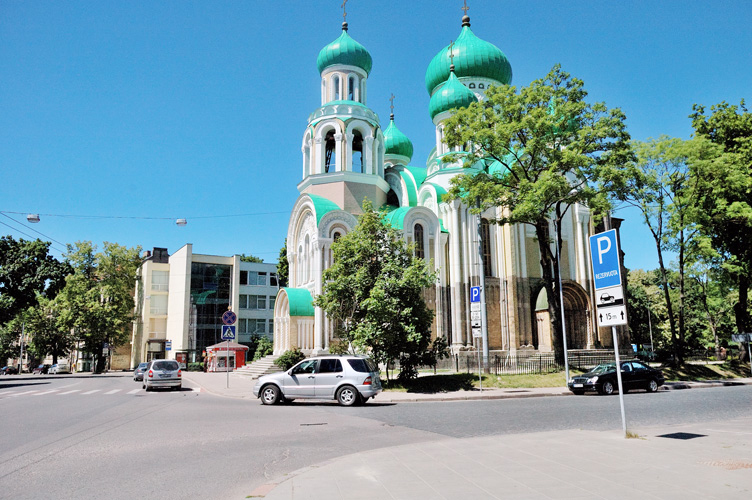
(113, 391)
(69, 392)
(134, 391)
(22, 393)
(48, 392)
(90, 392)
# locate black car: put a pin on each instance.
(41, 370)
(9, 370)
(602, 378)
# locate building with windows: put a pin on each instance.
(347, 156)
(180, 299)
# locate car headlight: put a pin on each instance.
(592, 380)
(571, 381)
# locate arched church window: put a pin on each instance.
(420, 246)
(307, 259)
(335, 87)
(351, 88)
(330, 147)
(481, 86)
(357, 151)
(485, 241)
(472, 85)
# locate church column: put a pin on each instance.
(458, 335)
(318, 166)
(338, 165)
(318, 323)
(369, 167)
(348, 152)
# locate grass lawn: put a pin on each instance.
(449, 382)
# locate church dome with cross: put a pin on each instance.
(473, 58)
(345, 51)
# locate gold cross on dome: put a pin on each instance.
(451, 49)
(391, 99)
(465, 8)
(344, 10)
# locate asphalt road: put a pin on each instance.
(84, 436)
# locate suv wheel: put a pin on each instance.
(348, 395)
(269, 394)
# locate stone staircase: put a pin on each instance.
(263, 366)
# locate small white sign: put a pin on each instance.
(475, 323)
(475, 306)
(609, 297)
(475, 315)
(477, 333)
(612, 316)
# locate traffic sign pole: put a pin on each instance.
(618, 377)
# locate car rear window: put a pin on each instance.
(363, 365)
(166, 365)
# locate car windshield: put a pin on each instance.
(603, 368)
(165, 365)
(143, 366)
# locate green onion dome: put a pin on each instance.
(451, 95)
(344, 50)
(473, 57)
(397, 143)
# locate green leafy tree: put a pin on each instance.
(26, 270)
(374, 294)
(725, 194)
(534, 152)
(251, 258)
(48, 335)
(97, 301)
(283, 267)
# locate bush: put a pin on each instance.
(264, 347)
(195, 367)
(339, 347)
(289, 359)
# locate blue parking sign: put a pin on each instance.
(604, 254)
(475, 294)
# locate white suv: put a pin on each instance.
(348, 379)
(163, 373)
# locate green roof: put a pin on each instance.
(344, 50)
(473, 57)
(451, 95)
(300, 301)
(395, 216)
(397, 143)
(322, 206)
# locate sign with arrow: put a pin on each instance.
(609, 294)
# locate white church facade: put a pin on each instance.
(348, 156)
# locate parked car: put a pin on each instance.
(348, 379)
(41, 370)
(138, 373)
(59, 368)
(602, 378)
(163, 373)
(9, 370)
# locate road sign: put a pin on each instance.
(475, 315)
(604, 254)
(474, 306)
(168, 345)
(475, 323)
(475, 294)
(229, 318)
(477, 333)
(612, 316)
(228, 332)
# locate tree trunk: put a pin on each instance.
(741, 315)
(550, 268)
(682, 328)
(669, 309)
(101, 359)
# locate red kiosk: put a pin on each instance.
(217, 356)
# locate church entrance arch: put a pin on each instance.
(576, 319)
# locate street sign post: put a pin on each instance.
(610, 308)
(477, 324)
(168, 345)
(228, 333)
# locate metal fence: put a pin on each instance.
(526, 362)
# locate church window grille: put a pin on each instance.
(335, 87)
(330, 148)
(420, 248)
(351, 88)
(485, 236)
(357, 147)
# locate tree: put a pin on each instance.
(27, 269)
(725, 194)
(374, 294)
(97, 301)
(251, 258)
(48, 335)
(283, 267)
(533, 153)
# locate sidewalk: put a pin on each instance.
(704, 460)
(241, 387)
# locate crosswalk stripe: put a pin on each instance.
(112, 391)
(134, 391)
(22, 393)
(69, 392)
(48, 392)
(90, 392)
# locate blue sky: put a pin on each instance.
(116, 118)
